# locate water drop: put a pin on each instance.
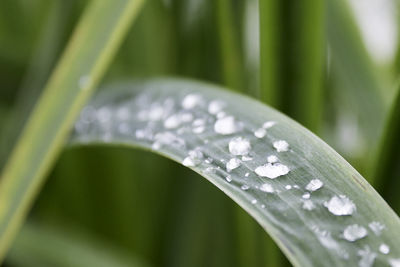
(186, 117)
(376, 227)
(306, 195)
(155, 113)
(267, 188)
(247, 174)
(308, 205)
(194, 158)
(167, 138)
(272, 171)
(281, 146)
(172, 122)
(225, 126)
(232, 164)
(221, 115)
(384, 249)
(188, 162)
(228, 178)
(394, 262)
(208, 160)
(272, 159)
(245, 187)
(103, 115)
(215, 106)
(340, 205)
(198, 129)
(199, 122)
(144, 133)
(260, 133)
(288, 187)
(354, 232)
(367, 257)
(327, 241)
(246, 158)
(239, 146)
(254, 201)
(268, 124)
(314, 185)
(263, 206)
(191, 100)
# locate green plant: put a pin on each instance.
(316, 207)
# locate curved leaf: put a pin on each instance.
(318, 209)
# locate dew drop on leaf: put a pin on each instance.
(394, 262)
(228, 178)
(199, 129)
(186, 117)
(239, 146)
(191, 100)
(281, 146)
(340, 205)
(314, 185)
(215, 106)
(384, 249)
(308, 205)
(254, 201)
(188, 162)
(172, 122)
(268, 124)
(354, 232)
(245, 187)
(194, 158)
(246, 158)
(272, 159)
(267, 188)
(306, 195)
(232, 164)
(260, 133)
(272, 171)
(376, 227)
(225, 126)
(367, 257)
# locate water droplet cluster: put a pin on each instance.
(203, 134)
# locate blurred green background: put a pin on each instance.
(332, 65)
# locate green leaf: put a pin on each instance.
(63, 246)
(292, 37)
(386, 168)
(358, 87)
(85, 60)
(198, 125)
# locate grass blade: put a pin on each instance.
(309, 226)
(232, 67)
(269, 52)
(386, 170)
(358, 89)
(65, 247)
(89, 53)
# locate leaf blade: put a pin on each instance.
(81, 67)
(308, 238)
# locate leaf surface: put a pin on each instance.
(318, 209)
